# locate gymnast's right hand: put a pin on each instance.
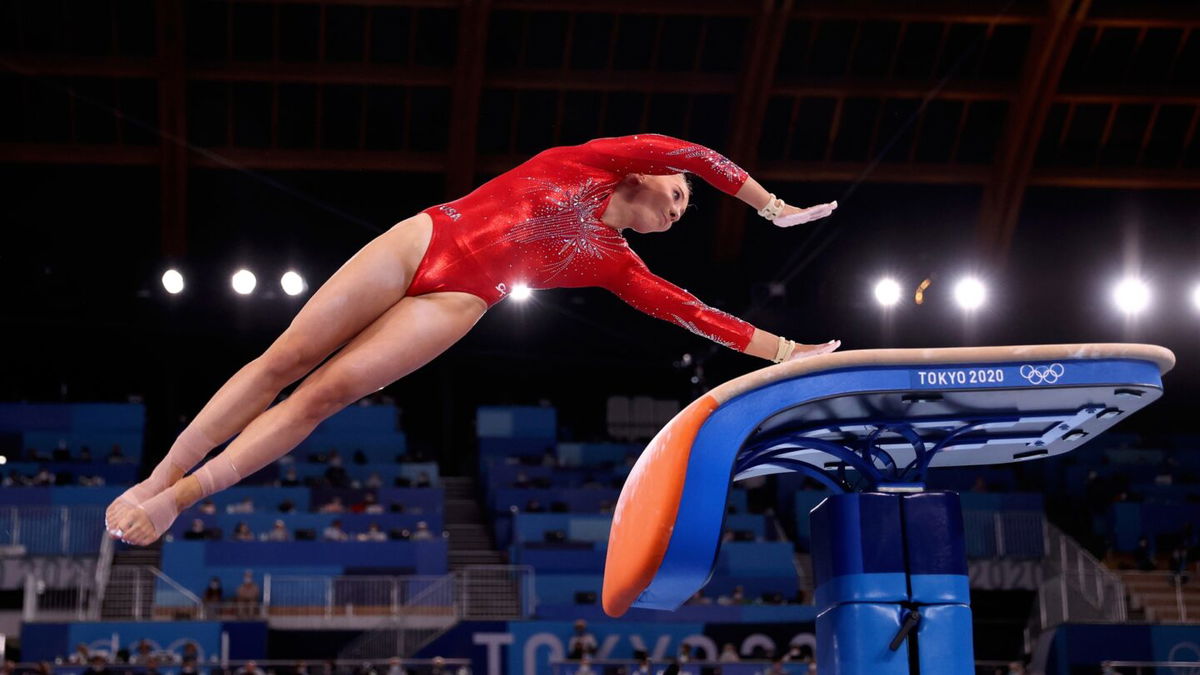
(806, 351)
(792, 215)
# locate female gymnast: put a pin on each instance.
(555, 221)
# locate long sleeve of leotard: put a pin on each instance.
(659, 155)
(643, 290)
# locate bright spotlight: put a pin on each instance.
(244, 282)
(970, 293)
(521, 292)
(3, 459)
(887, 292)
(1196, 296)
(293, 283)
(172, 280)
(1131, 295)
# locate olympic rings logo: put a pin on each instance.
(1042, 374)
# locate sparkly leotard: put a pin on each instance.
(539, 225)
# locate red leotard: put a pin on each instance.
(539, 225)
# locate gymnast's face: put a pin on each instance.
(657, 201)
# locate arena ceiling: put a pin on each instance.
(1003, 95)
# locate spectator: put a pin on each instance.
(42, 477)
(699, 599)
(81, 655)
(550, 459)
(286, 506)
(533, 506)
(208, 508)
(190, 650)
(251, 668)
(439, 668)
(643, 667)
(423, 480)
(776, 667)
(115, 456)
(278, 533)
(685, 653)
(368, 500)
(335, 532)
(244, 506)
(582, 643)
(373, 533)
(335, 473)
(242, 533)
(736, 598)
(585, 666)
(1016, 668)
(99, 666)
(189, 667)
(521, 480)
(729, 654)
(290, 478)
(151, 666)
(422, 532)
(394, 667)
(247, 595)
(301, 668)
(141, 653)
(334, 505)
(85, 454)
(197, 531)
(372, 504)
(1144, 555)
(213, 597)
(373, 482)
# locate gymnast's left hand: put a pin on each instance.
(807, 351)
(793, 215)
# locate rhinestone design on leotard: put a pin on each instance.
(569, 220)
(715, 160)
(692, 327)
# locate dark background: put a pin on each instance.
(1047, 147)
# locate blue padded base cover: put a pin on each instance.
(853, 640)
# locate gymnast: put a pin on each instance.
(555, 221)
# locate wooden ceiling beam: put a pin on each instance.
(1048, 53)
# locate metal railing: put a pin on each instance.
(1004, 534)
(1077, 588)
(483, 592)
(52, 530)
(1149, 667)
(144, 593)
(1173, 592)
(497, 592)
(351, 596)
(42, 603)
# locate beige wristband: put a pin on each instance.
(784, 352)
(773, 208)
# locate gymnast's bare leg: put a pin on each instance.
(407, 336)
(366, 286)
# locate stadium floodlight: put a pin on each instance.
(887, 292)
(970, 293)
(244, 282)
(1132, 295)
(521, 292)
(172, 281)
(292, 283)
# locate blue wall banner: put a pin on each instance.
(528, 647)
(48, 641)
